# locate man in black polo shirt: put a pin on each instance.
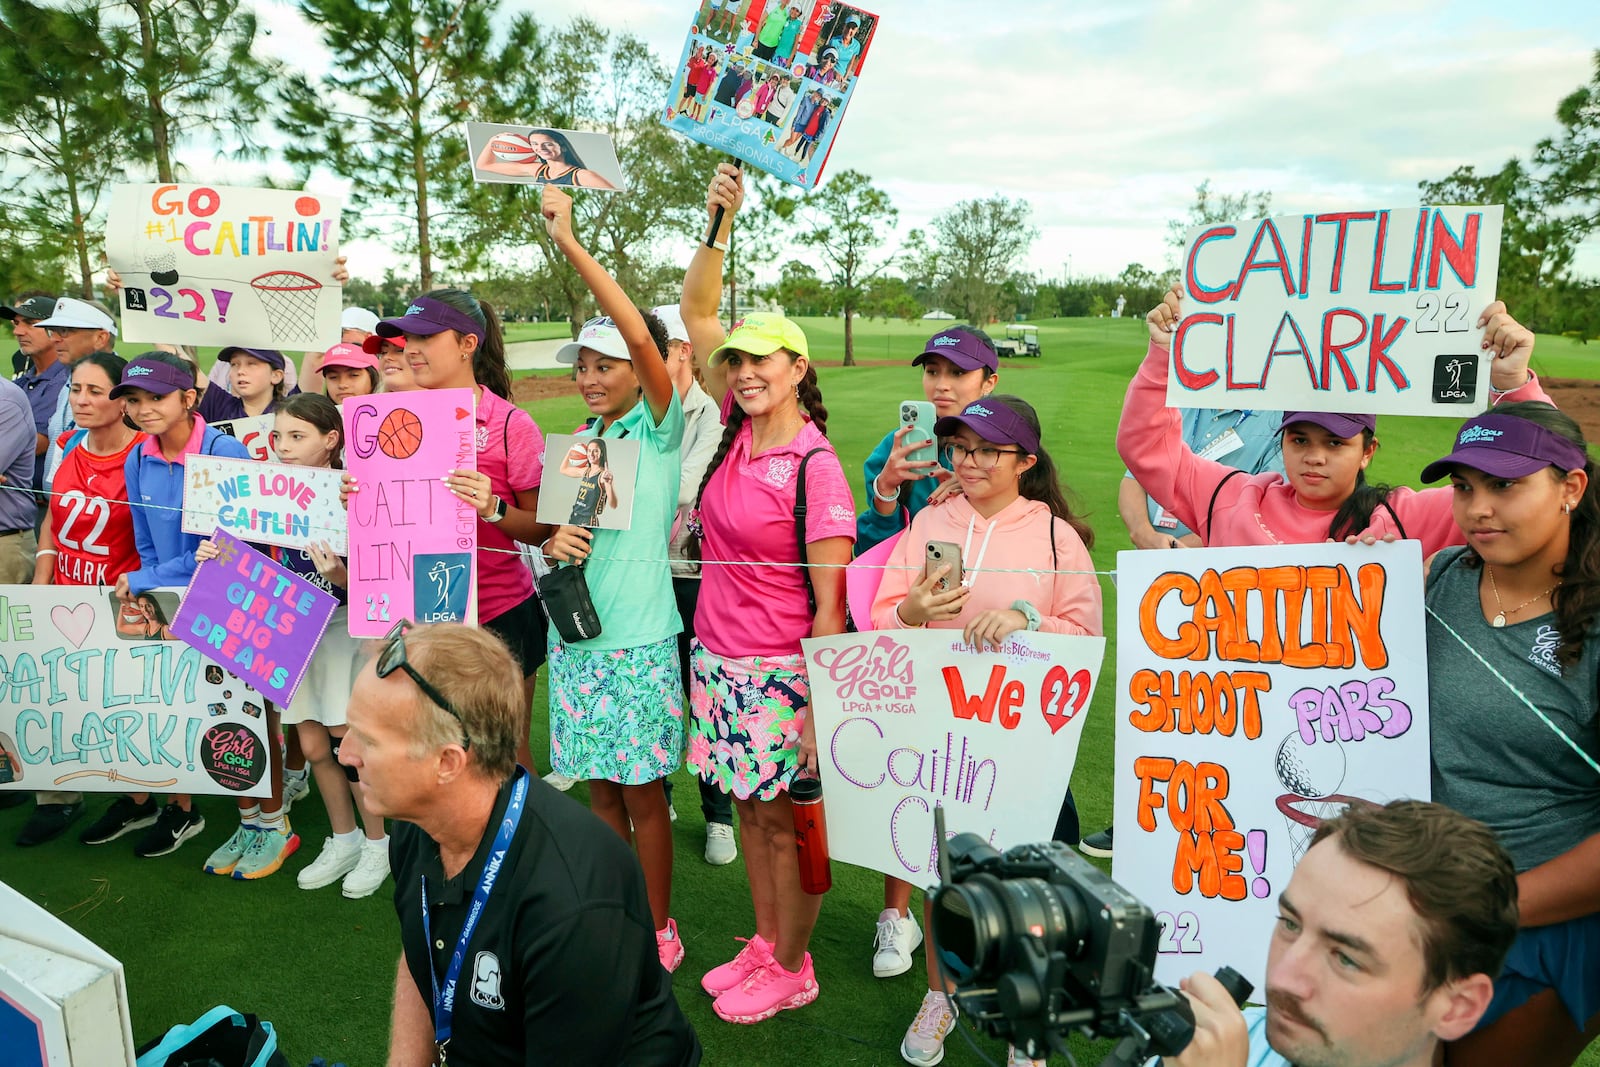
(558, 964)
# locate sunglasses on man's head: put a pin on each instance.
(393, 658)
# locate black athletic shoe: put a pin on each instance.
(1097, 845)
(48, 822)
(123, 816)
(173, 827)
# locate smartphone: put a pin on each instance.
(918, 416)
(944, 554)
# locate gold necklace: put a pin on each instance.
(1499, 619)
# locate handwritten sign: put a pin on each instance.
(267, 503)
(254, 616)
(413, 543)
(1259, 691)
(771, 88)
(252, 431)
(99, 696)
(591, 483)
(209, 265)
(1361, 311)
(910, 720)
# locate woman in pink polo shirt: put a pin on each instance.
(1026, 566)
(751, 731)
(453, 341)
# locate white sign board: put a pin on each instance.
(910, 720)
(1358, 311)
(265, 503)
(1259, 690)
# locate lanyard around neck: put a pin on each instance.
(444, 998)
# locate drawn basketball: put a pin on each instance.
(512, 148)
(400, 434)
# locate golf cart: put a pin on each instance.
(1021, 339)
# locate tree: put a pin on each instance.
(801, 291)
(62, 123)
(976, 245)
(196, 68)
(847, 221)
(1573, 158)
(387, 115)
(1045, 305)
(888, 297)
(1211, 207)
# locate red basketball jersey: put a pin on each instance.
(90, 518)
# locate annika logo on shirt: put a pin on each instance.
(874, 678)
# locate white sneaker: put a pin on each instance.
(294, 788)
(369, 872)
(924, 1041)
(720, 847)
(898, 937)
(332, 863)
(559, 781)
(1015, 1057)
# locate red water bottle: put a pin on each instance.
(811, 835)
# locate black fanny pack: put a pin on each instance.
(564, 592)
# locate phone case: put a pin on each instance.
(939, 554)
(919, 416)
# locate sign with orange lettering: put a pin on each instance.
(910, 720)
(1259, 691)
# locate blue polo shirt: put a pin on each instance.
(43, 389)
(18, 511)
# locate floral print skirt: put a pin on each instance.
(616, 714)
(744, 736)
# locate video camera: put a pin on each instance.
(1039, 940)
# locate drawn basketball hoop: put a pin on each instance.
(1306, 814)
(290, 301)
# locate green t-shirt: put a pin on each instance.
(634, 599)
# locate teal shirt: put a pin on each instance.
(634, 599)
(872, 527)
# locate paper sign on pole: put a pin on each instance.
(771, 88)
(252, 431)
(255, 616)
(266, 503)
(1358, 311)
(910, 720)
(413, 543)
(210, 264)
(1259, 691)
(102, 698)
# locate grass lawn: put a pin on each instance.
(321, 968)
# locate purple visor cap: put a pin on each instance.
(153, 376)
(426, 317)
(1505, 446)
(270, 356)
(1336, 423)
(992, 421)
(962, 349)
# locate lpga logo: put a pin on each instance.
(1474, 434)
(1543, 653)
(876, 672)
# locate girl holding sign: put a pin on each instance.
(453, 341)
(1324, 492)
(616, 699)
(752, 731)
(1012, 508)
(1514, 626)
(160, 393)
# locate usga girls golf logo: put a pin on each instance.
(876, 676)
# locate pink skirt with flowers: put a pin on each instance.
(747, 714)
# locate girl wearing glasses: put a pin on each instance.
(1011, 508)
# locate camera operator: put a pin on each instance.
(1388, 939)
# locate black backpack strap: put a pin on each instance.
(1211, 507)
(1398, 525)
(800, 527)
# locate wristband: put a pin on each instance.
(1029, 612)
(892, 498)
(720, 246)
(46, 552)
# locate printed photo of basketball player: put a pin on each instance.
(145, 617)
(597, 488)
(539, 155)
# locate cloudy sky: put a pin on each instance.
(1106, 115)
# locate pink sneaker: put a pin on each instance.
(669, 946)
(731, 975)
(768, 991)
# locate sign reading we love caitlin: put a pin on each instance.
(910, 720)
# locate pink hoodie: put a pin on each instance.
(1020, 540)
(1255, 509)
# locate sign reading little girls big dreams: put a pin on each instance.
(1362, 311)
(413, 543)
(910, 720)
(99, 696)
(213, 265)
(1259, 691)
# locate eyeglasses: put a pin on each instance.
(63, 331)
(984, 457)
(393, 658)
